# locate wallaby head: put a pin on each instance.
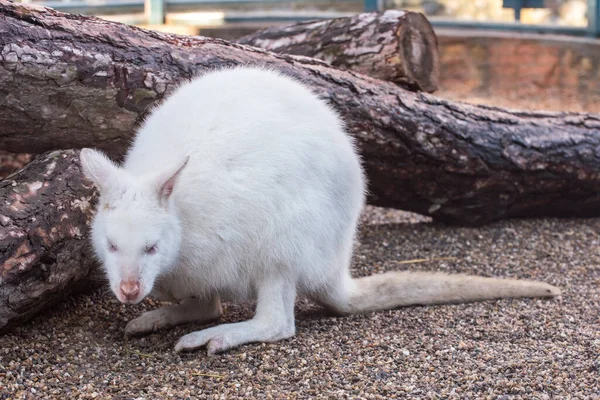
(136, 232)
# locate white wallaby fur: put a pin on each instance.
(244, 185)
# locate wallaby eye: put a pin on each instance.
(151, 249)
(112, 248)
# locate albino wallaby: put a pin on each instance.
(244, 185)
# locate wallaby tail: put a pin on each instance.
(395, 289)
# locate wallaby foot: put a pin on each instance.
(274, 320)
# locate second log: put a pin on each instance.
(396, 46)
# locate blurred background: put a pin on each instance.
(576, 17)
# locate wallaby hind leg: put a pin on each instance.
(273, 321)
(189, 310)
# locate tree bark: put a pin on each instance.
(396, 46)
(45, 210)
(72, 81)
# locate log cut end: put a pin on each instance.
(396, 46)
(417, 45)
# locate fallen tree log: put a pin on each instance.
(396, 46)
(71, 81)
(45, 210)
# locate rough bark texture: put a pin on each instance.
(45, 211)
(396, 46)
(71, 81)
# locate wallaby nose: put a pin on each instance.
(130, 289)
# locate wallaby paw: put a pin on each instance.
(148, 322)
(224, 337)
(215, 339)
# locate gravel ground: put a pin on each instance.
(12, 162)
(507, 349)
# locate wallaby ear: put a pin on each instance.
(99, 169)
(167, 180)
